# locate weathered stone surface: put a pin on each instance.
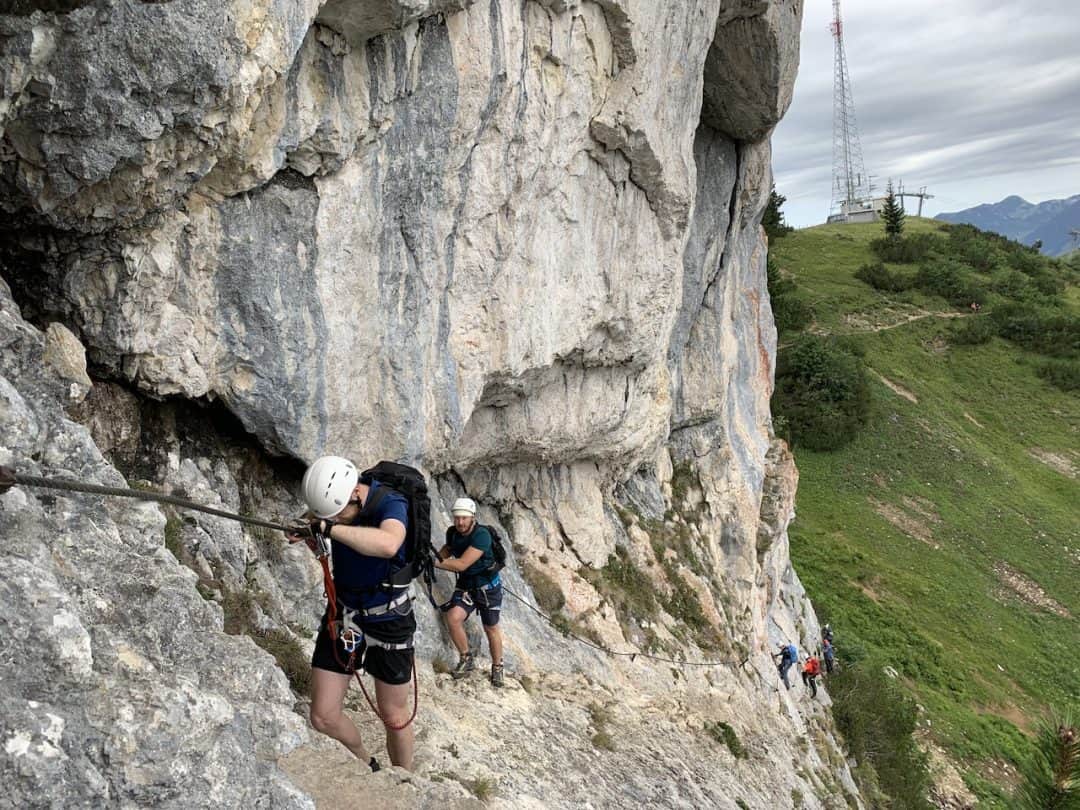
(175, 305)
(118, 685)
(125, 105)
(514, 242)
(65, 355)
(111, 414)
(750, 70)
(358, 20)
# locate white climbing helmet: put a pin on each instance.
(328, 485)
(464, 507)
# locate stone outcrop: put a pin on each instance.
(750, 71)
(515, 242)
(119, 687)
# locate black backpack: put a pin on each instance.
(410, 483)
(498, 550)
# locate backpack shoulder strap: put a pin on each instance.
(373, 501)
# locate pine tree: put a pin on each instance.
(1052, 776)
(773, 218)
(893, 214)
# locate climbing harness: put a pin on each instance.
(353, 638)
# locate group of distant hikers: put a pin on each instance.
(788, 656)
(369, 524)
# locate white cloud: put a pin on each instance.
(978, 99)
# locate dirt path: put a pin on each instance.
(860, 325)
(896, 388)
(918, 316)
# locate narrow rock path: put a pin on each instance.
(916, 315)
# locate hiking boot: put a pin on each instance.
(464, 666)
(497, 679)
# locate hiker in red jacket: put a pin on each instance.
(811, 670)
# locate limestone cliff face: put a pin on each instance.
(515, 242)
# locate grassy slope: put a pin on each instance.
(972, 652)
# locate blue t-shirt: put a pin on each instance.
(357, 576)
(476, 574)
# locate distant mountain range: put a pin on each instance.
(1048, 222)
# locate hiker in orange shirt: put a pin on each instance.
(811, 670)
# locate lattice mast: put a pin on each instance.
(850, 182)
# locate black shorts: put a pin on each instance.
(486, 601)
(388, 666)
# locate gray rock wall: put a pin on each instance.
(119, 688)
(514, 242)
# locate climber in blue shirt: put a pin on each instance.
(788, 655)
(369, 625)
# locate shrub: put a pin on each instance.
(980, 249)
(878, 722)
(684, 607)
(849, 344)
(482, 787)
(879, 277)
(549, 595)
(973, 331)
(724, 733)
(1013, 285)
(822, 394)
(290, 657)
(628, 588)
(1041, 329)
(599, 715)
(239, 608)
(772, 220)
(1070, 262)
(174, 534)
(603, 740)
(950, 280)
(1028, 262)
(981, 255)
(1064, 374)
(906, 249)
(789, 313)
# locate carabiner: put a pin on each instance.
(351, 639)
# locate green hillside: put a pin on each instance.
(944, 539)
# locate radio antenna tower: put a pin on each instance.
(850, 185)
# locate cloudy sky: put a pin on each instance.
(976, 99)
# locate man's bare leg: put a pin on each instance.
(395, 706)
(494, 637)
(327, 698)
(455, 623)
